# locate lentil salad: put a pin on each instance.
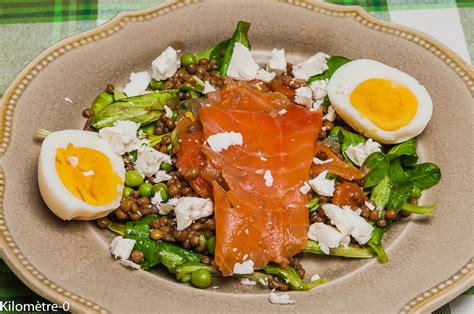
(351, 178)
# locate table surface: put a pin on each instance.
(47, 21)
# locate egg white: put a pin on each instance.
(350, 75)
(56, 196)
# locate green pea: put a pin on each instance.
(133, 178)
(166, 167)
(148, 129)
(146, 189)
(201, 278)
(126, 191)
(187, 58)
(156, 85)
(211, 245)
(416, 192)
(162, 189)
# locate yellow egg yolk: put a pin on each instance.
(386, 104)
(88, 174)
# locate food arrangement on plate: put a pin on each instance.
(212, 165)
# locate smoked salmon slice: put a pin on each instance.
(257, 219)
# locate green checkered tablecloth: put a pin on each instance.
(27, 27)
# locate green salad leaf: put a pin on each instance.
(168, 254)
(313, 205)
(240, 35)
(399, 195)
(353, 252)
(424, 175)
(377, 165)
(396, 172)
(101, 101)
(290, 276)
(406, 151)
(420, 210)
(381, 193)
(345, 138)
(375, 243)
(143, 109)
(334, 63)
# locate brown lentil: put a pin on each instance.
(103, 223)
(197, 226)
(134, 208)
(137, 256)
(201, 247)
(210, 224)
(173, 190)
(135, 216)
(186, 244)
(156, 234)
(163, 220)
(206, 260)
(110, 88)
(167, 238)
(374, 216)
(135, 194)
(154, 224)
(382, 223)
(391, 214)
(165, 140)
(194, 241)
(120, 215)
(87, 113)
(405, 213)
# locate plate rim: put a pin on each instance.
(27, 273)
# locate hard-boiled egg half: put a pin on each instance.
(79, 175)
(379, 101)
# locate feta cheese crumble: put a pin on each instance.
(122, 136)
(305, 188)
(208, 88)
(161, 176)
(121, 247)
(359, 153)
(166, 65)
(369, 205)
(242, 65)
(282, 112)
(168, 112)
(304, 96)
(315, 65)
(244, 268)
(277, 60)
(69, 100)
(268, 178)
(149, 161)
(189, 209)
(327, 236)
(138, 83)
(281, 299)
(265, 76)
(156, 199)
(321, 185)
(331, 115)
(349, 222)
(73, 160)
(315, 277)
(247, 282)
(221, 141)
(128, 263)
(318, 161)
(320, 91)
(259, 171)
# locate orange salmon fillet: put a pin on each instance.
(254, 220)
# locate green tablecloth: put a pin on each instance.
(28, 27)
